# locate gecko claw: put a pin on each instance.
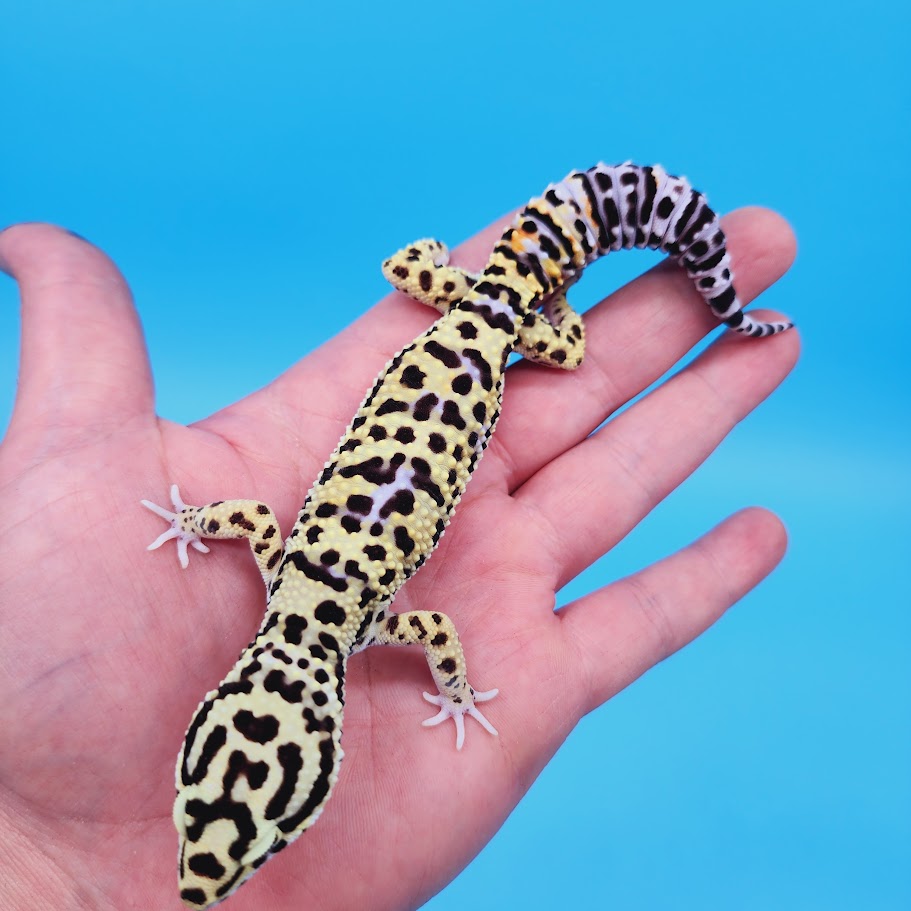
(458, 711)
(178, 529)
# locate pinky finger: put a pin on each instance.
(617, 633)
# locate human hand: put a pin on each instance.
(105, 651)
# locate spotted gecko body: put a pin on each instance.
(262, 753)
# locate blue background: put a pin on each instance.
(219, 151)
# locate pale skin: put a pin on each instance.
(105, 650)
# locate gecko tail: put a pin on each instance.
(746, 325)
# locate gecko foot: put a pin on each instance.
(458, 711)
(179, 528)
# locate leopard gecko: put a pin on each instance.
(262, 753)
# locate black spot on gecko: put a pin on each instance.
(317, 573)
(240, 520)
(289, 757)
(329, 641)
(424, 406)
(375, 552)
(239, 764)
(390, 406)
(330, 557)
(665, 207)
(295, 625)
(446, 356)
(212, 527)
(387, 577)
(404, 435)
(350, 524)
(318, 791)
(359, 503)
(318, 652)
(204, 814)
(447, 666)
(374, 471)
(289, 690)
(413, 377)
(257, 728)
(319, 698)
(452, 416)
(479, 412)
(402, 501)
(273, 619)
(403, 541)
(231, 689)
(480, 364)
(206, 865)
(214, 742)
(313, 534)
(462, 384)
(439, 639)
(329, 612)
(392, 624)
(355, 571)
(426, 280)
(377, 432)
(326, 510)
(467, 330)
(194, 896)
(314, 724)
(724, 300)
(415, 622)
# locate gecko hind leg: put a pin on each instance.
(248, 519)
(437, 635)
(555, 336)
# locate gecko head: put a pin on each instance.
(222, 857)
(256, 767)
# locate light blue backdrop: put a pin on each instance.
(220, 152)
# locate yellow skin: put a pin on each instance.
(119, 658)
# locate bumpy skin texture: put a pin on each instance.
(262, 753)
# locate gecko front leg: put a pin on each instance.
(437, 635)
(248, 519)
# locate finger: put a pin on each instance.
(619, 632)
(594, 494)
(632, 338)
(83, 362)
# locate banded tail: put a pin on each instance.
(616, 207)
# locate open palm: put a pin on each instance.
(105, 651)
